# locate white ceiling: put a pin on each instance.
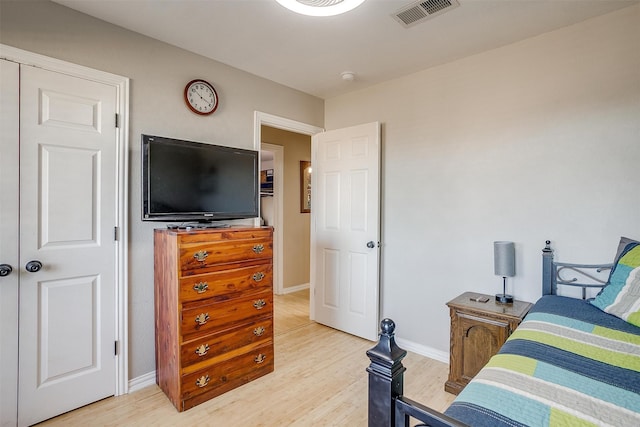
(309, 54)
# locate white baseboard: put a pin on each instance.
(291, 289)
(423, 350)
(142, 381)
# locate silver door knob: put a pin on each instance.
(5, 270)
(370, 244)
(33, 266)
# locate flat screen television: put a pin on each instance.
(195, 181)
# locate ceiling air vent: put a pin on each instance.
(422, 10)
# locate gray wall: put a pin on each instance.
(532, 141)
(158, 74)
(536, 140)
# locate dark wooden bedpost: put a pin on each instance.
(548, 272)
(386, 376)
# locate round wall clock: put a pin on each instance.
(201, 97)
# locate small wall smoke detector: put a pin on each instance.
(422, 10)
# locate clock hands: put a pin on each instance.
(210, 102)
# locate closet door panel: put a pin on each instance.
(68, 205)
(9, 133)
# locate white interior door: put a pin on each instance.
(345, 229)
(68, 210)
(9, 270)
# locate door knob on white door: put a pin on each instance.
(5, 270)
(33, 266)
(370, 244)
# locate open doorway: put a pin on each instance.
(262, 120)
(281, 153)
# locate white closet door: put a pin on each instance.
(9, 134)
(68, 206)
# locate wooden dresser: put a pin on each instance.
(478, 330)
(213, 310)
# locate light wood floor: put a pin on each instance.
(319, 380)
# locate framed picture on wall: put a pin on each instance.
(305, 186)
(266, 181)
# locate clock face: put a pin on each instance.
(201, 97)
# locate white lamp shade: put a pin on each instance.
(504, 259)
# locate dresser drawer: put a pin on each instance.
(227, 283)
(223, 235)
(198, 257)
(199, 318)
(229, 374)
(205, 348)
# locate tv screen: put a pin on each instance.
(194, 181)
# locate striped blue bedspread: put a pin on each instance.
(567, 364)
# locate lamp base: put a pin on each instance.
(504, 299)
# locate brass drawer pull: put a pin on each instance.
(258, 331)
(259, 304)
(258, 276)
(260, 358)
(201, 287)
(202, 318)
(202, 350)
(258, 248)
(201, 256)
(202, 381)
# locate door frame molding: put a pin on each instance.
(283, 123)
(121, 84)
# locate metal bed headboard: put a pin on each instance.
(555, 273)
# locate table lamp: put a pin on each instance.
(504, 264)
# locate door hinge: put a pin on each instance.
(115, 348)
(115, 233)
(117, 120)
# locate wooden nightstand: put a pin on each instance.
(478, 330)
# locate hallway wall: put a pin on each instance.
(296, 227)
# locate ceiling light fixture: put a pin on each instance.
(320, 7)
